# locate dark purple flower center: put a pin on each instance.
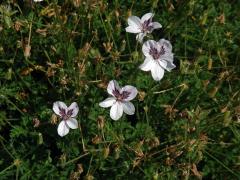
(120, 96)
(146, 27)
(65, 115)
(155, 53)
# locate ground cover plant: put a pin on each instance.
(79, 100)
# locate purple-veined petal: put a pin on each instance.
(116, 111)
(147, 46)
(59, 105)
(128, 108)
(73, 108)
(146, 17)
(156, 25)
(157, 72)
(134, 21)
(113, 85)
(107, 102)
(133, 29)
(132, 92)
(62, 129)
(168, 56)
(167, 45)
(140, 37)
(147, 65)
(72, 123)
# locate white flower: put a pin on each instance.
(142, 26)
(37, 0)
(67, 115)
(158, 56)
(119, 100)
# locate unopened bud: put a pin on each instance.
(100, 122)
(80, 168)
(96, 140)
(106, 152)
(27, 51)
(54, 119)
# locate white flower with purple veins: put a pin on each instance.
(67, 114)
(158, 57)
(119, 100)
(142, 26)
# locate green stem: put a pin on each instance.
(75, 159)
(222, 164)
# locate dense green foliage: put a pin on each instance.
(185, 126)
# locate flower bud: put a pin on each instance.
(100, 122)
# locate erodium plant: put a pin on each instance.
(158, 57)
(88, 90)
(67, 115)
(119, 100)
(142, 26)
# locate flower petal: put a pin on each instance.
(62, 129)
(134, 21)
(113, 85)
(107, 102)
(130, 89)
(140, 37)
(170, 66)
(163, 63)
(147, 65)
(74, 109)
(72, 123)
(157, 72)
(167, 45)
(116, 111)
(156, 25)
(168, 56)
(146, 17)
(133, 29)
(147, 46)
(128, 108)
(59, 105)
(167, 61)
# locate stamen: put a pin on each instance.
(125, 94)
(70, 112)
(121, 96)
(146, 27)
(116, 93)
(155, 53)
(64, 115)
(62, 111)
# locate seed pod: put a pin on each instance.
(40, 139)
(27, 51)
(210, 63)
(100, 122)
(106, 152)
(123, 46)
(54, 119)
(96, 140)
(9, 73)
(88, 177)
(80, 168)
(141, 95)
(76, 3)
(117, 152)
(227, 118)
